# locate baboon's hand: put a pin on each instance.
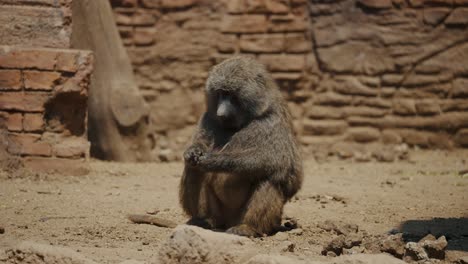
(194, 155)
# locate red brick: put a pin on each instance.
(40, 59)
(13, 121)
(10, 79)
(28, 102)
(33, 122)
(262, 43)
(67, 61)
(283, 62)
(72, 148)
(40, 80)
(244, 24)
(28, 144)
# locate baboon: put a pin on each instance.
(243, 163)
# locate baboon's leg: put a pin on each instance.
(262, 213)
(198, 200)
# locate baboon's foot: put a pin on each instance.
(200, 222)
(243, 230)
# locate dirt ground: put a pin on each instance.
(427, 193)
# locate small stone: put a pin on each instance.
(435, 248)
(353, 250)
(394, 245)
(287, 246)
(281, 236)
(414, 251)
(297, 232)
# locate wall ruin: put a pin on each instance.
(364, 71)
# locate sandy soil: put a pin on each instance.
(88, 213)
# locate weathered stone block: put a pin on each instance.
(13, 121)
(461, 138)
(40, 80)
(297, 43)
(427, 107)
(288, 23)
(377, 4)
(363, 134)
(262, 43)
(10, 80)
(330, 98)
(323, 127)
(403, 106)
(28, 144)
(73, 147)
(35, 26)
(460, 88)
(33, 122)
(434, 16)
(227, 43)
(459, 16)
(143, 36)
(288, 62)
(244, 24)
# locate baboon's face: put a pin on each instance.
(237, 92)
(227, 109)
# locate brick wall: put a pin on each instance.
(362, 71)
(43, 98)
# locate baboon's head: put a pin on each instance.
(239, 90)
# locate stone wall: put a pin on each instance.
(361, 71)
(43, 99)
(35, 23)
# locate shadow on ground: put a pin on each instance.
(455, 231)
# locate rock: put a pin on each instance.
(338, 227)
(352, 240)
(287, 246)
(276, 259)
(167, 155)
(31, 252)
(366, 259)
(281, 236)
(463, 260)
(385, 154)
(415, 252)
(434, 248)
(132, 261)
(190, 244)
(297, 232)
(353, 250)
(335, 246)
(394, 245)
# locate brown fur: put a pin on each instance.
(239, 176)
